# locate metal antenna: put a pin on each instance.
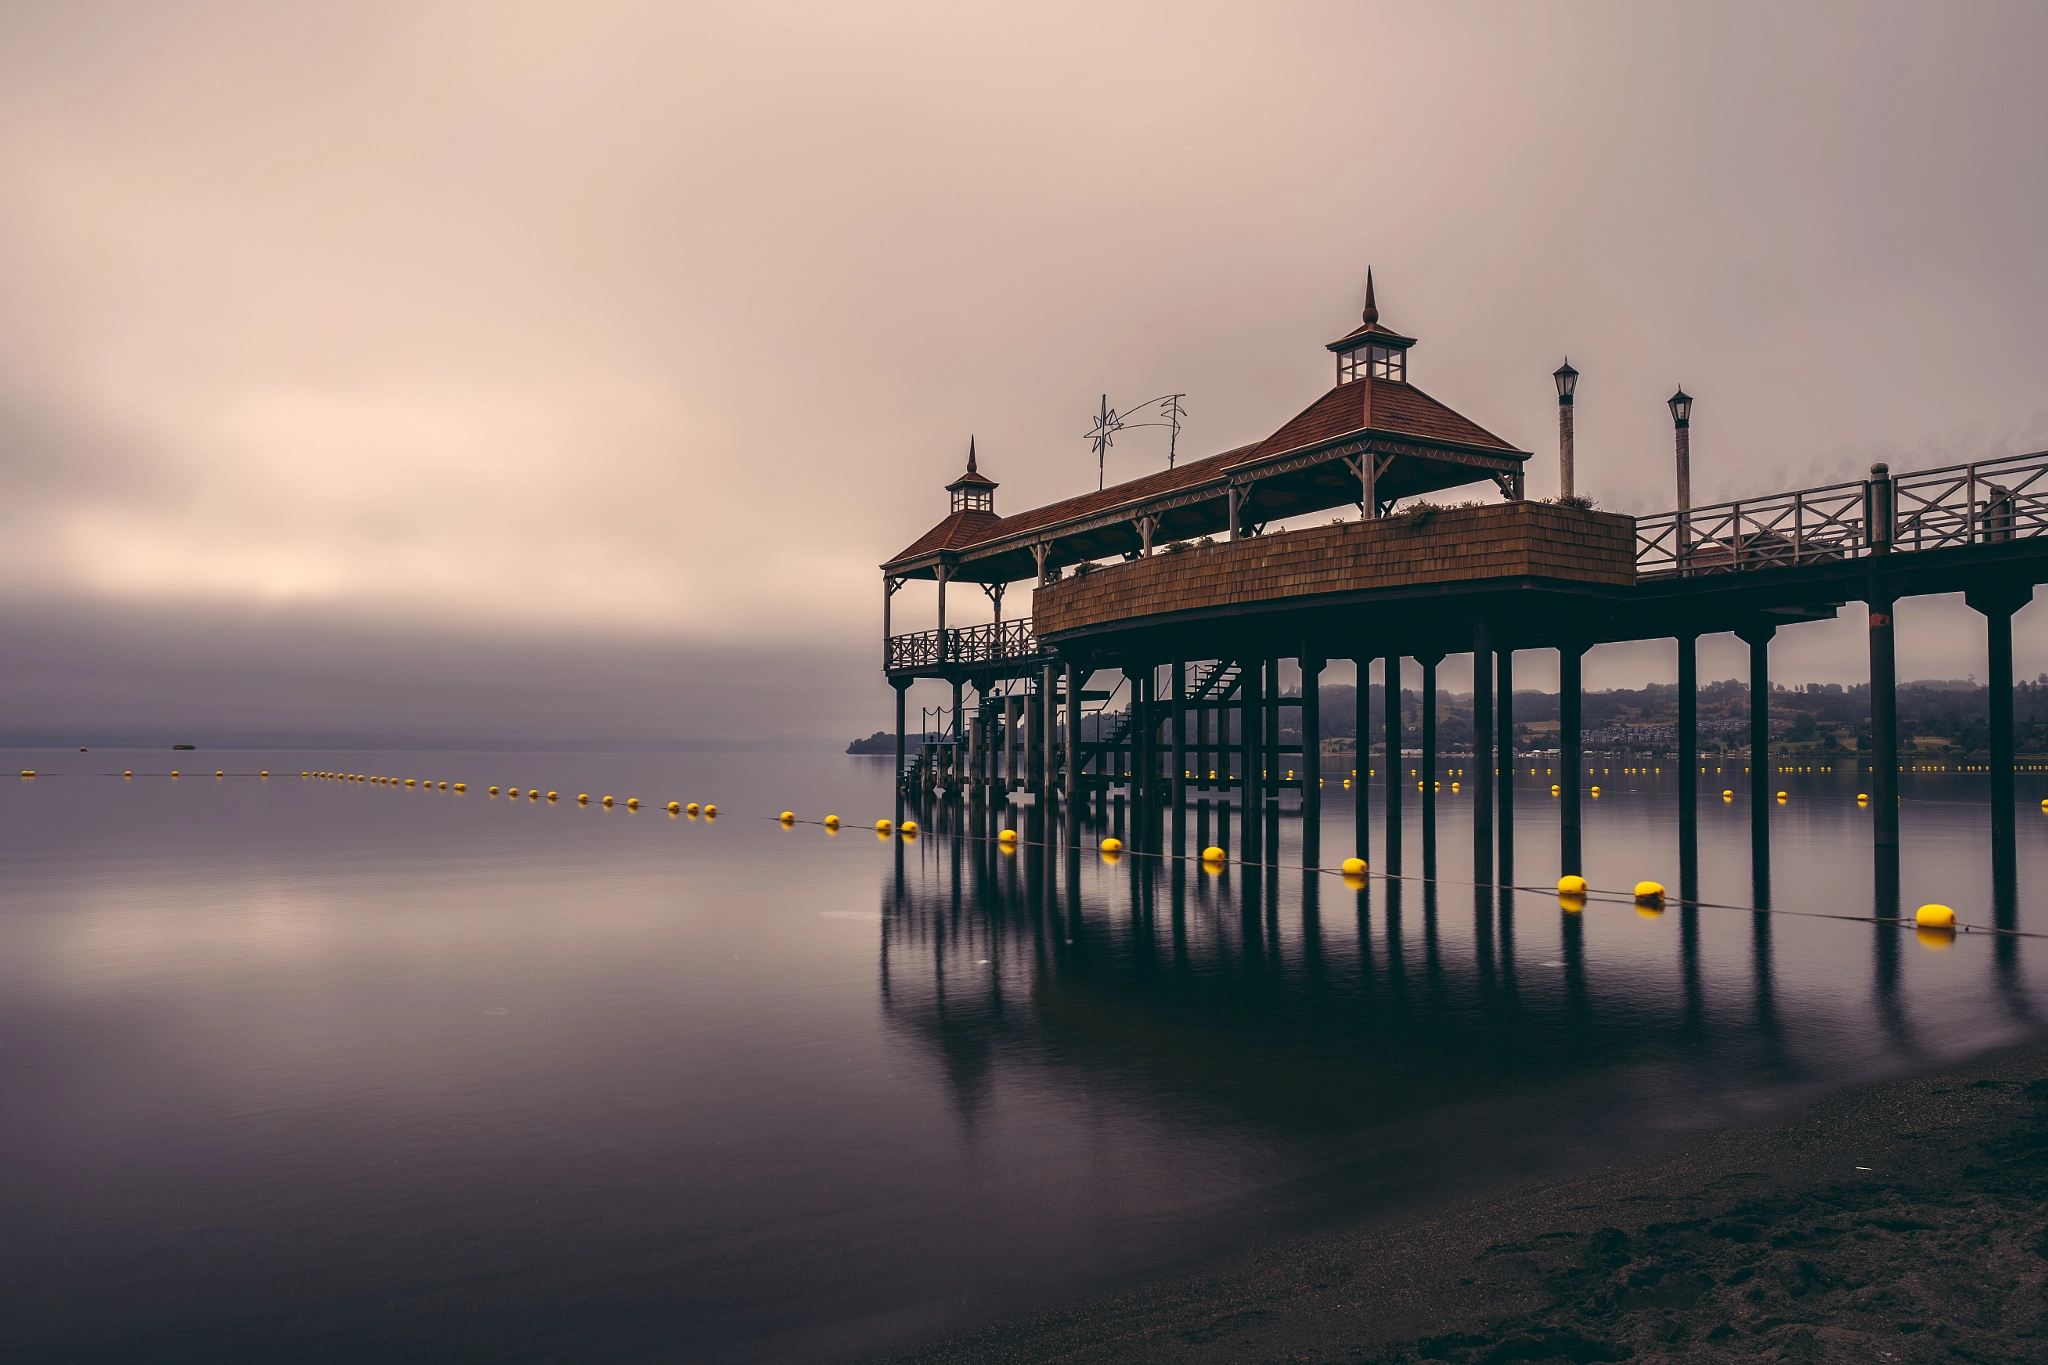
(1108, 422)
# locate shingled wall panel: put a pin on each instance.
(1460, 544)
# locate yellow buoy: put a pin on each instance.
(787, 817)
(881, 826)
(409, 782)
(674, 807)
(127, 773)
(632, 803)
(1454, 787)
(910, 827)
(494, 791)
(1862, 798)
(1781, 796)
(553, 795)
(533, 793)
(692, 808)
(831, 822)
(1555, 789)
(1008, 836)
(1935, 917)
(1213, 854)
(1354, 867)
(607, 800)
(444, 787)
(1596, 791)
(712, 811)
(1112, 845)
(1727, 796)
(28, 772)
(174, 773)
(1649, 893)
(218, 773)
(1571, 886)
(264, 773)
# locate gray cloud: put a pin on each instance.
(645, 332)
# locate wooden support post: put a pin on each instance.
(1269, 713)
(971, 777)
(1048, 735)
(1571, 753)
(1482, 731)
(1012, 715)
(1998, 602)
(1311, 742)
(1179, 715)
(1884, 727)
(1361, 791)
(1396, 766)
(1504, 711)
(902, 687)
(1075, 681)
(1428, 763)
(1688, 732)
(1758, 638)
(1145, 771)
(958, 751)
(1251, 674)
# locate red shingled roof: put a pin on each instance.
(1382, 405)
(1377, 404)
(956, 532)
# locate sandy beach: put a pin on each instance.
(1901, 1221)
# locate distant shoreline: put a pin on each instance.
(1767, 1237)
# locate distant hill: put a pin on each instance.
(883, 742)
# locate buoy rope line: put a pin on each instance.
(1590, 895)
(884, 827)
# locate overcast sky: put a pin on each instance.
(570, 368)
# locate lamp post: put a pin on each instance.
(1681, 421)
(1567, 379)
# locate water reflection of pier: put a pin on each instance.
(1291, 1003)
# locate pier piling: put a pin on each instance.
(1391, 689)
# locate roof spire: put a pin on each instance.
(1372, 310)
(970, 455)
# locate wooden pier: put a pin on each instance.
(1181, 581)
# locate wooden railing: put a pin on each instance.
(1966, 504)
(996, 642)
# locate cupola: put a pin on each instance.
(973, 491)
(1372, 351)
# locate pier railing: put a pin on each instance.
(1965, 504)
(995, 642)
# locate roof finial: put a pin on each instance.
(1372, 310)
(970, 455)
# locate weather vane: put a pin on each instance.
(1108, 422)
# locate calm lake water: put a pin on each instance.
(304, 1070)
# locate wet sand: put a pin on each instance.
(1769, 1242)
